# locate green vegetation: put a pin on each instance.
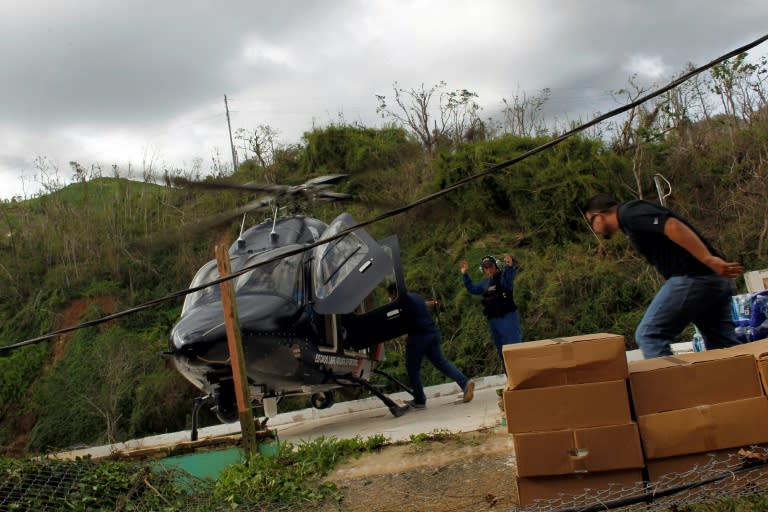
(435, 435)
(294, 476)
(290, 480)
(752, 503)
(419, 442)
(84, 485)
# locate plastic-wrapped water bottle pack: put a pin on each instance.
(752, 321)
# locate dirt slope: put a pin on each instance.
(20, 423)
(464, 472)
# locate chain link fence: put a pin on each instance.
(723, 478)
(88, 485)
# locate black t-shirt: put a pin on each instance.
(643, 223)
(418, 317)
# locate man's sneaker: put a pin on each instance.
(414, 405)
(469, 392)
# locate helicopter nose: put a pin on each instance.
(206, 323)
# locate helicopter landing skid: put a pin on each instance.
(199, 401)
(261, 425)
(396, 410)
(393, 379)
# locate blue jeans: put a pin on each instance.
(704, 301)
(505, 329)
(420, 345)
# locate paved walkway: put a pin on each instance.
(364, 418)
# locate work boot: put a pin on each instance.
(415, 405)
(469, 391)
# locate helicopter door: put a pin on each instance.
(346, 270)
(378, 319)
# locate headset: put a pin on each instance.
(487, 259)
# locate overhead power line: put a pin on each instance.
(402, 209)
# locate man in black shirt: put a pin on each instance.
(698, 285)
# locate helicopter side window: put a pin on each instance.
(339, 260)
(379, 296)
(346, 269)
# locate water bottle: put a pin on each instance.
(698, 341)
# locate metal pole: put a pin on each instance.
(231, 144)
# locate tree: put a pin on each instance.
(47, 175)
(523, 115)
(636, 133)
(456, 120)
(682, 107)
(740, 86)
(262, 143)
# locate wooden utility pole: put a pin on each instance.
(231, 144)
(236, 352)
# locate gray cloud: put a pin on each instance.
(113, 82)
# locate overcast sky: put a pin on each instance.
(143, 82)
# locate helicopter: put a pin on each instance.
(312, 321)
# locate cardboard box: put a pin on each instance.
(762, 370)
(705, 428)
(758, 349)
(688, 380)
(530, 489)
(756, 280)
(562, 361)
(585, 450)
(562, 407)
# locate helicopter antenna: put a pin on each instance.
(657, 181)
(240, 241)
(273, 235)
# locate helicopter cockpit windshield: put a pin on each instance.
(281, 278)
(207, 273)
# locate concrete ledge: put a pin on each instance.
(282, 419)
(365, 404)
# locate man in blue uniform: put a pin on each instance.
(424, 340)
(499, 305)
(698, 286)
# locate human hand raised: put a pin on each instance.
(464, 266)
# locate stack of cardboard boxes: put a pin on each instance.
(567, 408)
(576, 424)
(694, 407)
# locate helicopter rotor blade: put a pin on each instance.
(328, 179)
(227, 185)
(223, 217)
(189, 231)
(328, 195)
(292, 197)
